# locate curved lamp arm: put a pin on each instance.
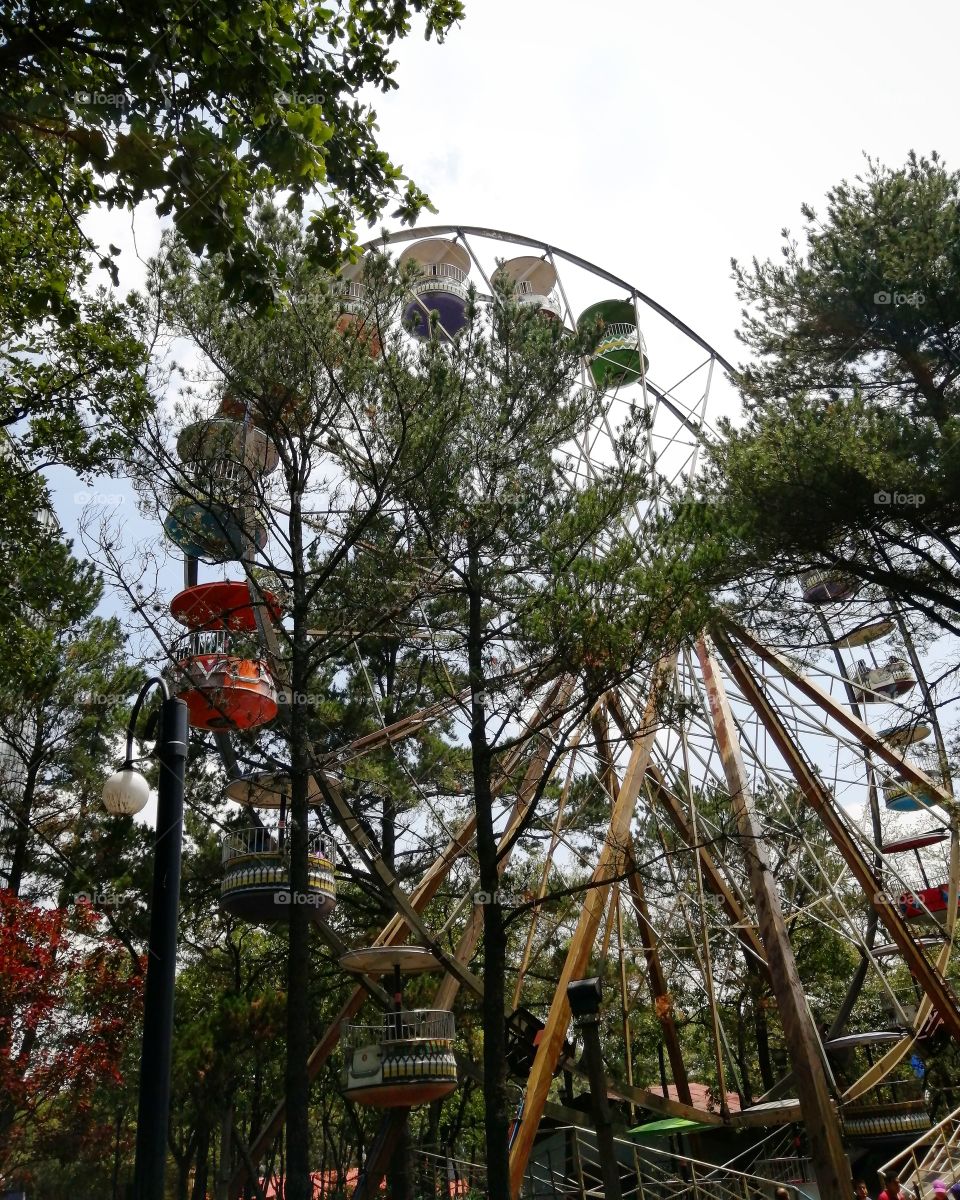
(157, 681)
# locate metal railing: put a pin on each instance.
(646, 1173)
(258, 841)
(224, 643)
(441, 1175)
(445, 271)
(818, 575)
(785, 1169)
(934, 1154)
(411, 1025)
(619, 331)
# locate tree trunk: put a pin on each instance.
(388, 831)
(222, 1191)
(496, 1114)
(298, 1182)
(399, 1175)
(21, 837)
(761, 1032)
(203, 1163)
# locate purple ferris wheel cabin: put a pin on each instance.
(441, 287)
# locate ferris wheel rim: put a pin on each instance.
(417, 233)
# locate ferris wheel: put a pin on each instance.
(750, 804)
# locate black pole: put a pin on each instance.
(154, 1105)
(589, 1027)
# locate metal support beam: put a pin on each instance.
(929, 978)
(806, 1054)
(713, 876)
(840, 713)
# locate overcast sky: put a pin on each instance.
(655, 140)
(659, 140)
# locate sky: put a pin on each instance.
(656, 141)
(660, 140)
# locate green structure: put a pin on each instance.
(619, 359)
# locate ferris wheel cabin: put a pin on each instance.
(533, 281)
(827, 585)
(404, 1061)
(620, 356)
(256, 876)
(440, 286)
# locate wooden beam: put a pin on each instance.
(842, 715)
(609, 867)
(803, 1043)
(713, 876)
(931, 981)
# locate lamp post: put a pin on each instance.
(584, 996)
(126, 792)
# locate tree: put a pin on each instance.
(848, 456)
(63, 703)
(339, 420)
(208, 108)
(544, 580)
(433, 475)
(71, 381)
(68, 1000)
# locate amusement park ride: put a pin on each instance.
(752, 724)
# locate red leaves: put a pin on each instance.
(68, 1004)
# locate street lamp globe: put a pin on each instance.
(125, 792)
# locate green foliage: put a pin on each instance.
(65, 686)
(205, 109)
(71, 366)
(72, 388)
(848, 454)
(828, 319)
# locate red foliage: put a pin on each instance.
(69, 1002)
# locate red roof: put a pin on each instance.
(324, 1183)
(699, 1096)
